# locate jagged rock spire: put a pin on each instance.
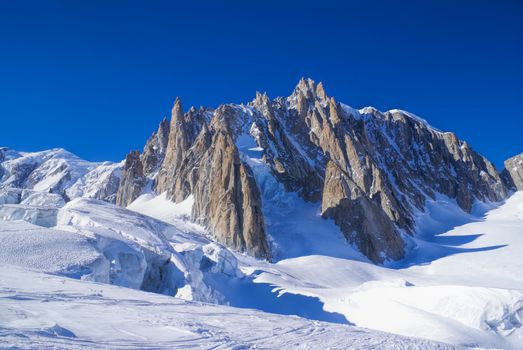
(177, 145)
(333, 111)
(310, 90)
(320, 91)
(155, 148)
(177, 113)
(372, 173)
(306, 85)
(132, 181)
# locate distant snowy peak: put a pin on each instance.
(6, 153)
(396, 113)
(368, 171)
(60, 172)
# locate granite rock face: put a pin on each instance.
(369, 171)
(227, 197)
(200, 158)
(513, 172)
(133, 180)
(362, 221)
(155, 149)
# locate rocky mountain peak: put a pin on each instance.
(306, 85)
(368, 171)
(320, 91)
(177, 113)
(308, 90)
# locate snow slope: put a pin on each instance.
(98, 241)
(52, 312)
(464, 286)
(52, 250)
(159, 207)
(469, 293)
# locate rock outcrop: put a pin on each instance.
(369, 171)
(133, 180)
(155, 149)
(362, 221)
(513, 172)
(227, 197)
(200, 157)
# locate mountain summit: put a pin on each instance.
(370, 172)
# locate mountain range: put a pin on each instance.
(297, 205)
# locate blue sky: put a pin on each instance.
(96, 77)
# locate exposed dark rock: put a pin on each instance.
(513, 172)
(155, 149)
(133, 180)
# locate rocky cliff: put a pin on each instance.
(513, 172)
(369, 171)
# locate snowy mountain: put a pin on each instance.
(60, 172)
(370, 172)
(285, 223)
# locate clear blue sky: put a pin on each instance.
(96, 77)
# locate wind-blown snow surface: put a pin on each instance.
(52, 312)
(464, 286)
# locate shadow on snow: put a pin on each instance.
(244, 293)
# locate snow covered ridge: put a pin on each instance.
(34, 185)
(369, 112)
(60, 172)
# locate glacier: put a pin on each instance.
(460, 285)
